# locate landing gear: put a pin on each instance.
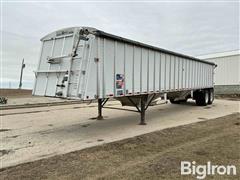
(144, 101)
(141, 103)
(101, 103)
(143, 109)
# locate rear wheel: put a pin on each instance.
(211, 96)
(202, 98)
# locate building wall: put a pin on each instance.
(227, 71)
(227, 89)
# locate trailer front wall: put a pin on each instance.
(144, 70)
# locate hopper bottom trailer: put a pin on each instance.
(88, 64)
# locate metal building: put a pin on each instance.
(227, 75)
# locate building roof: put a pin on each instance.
(219, 54)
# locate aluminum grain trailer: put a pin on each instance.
(86, 64)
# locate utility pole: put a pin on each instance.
(23, 66)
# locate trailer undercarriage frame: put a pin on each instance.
(141, 102)
(145, 101)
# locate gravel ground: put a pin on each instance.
(31, 134)
(155, 155)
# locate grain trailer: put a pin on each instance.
(85, 63)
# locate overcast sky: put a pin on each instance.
(193, 28)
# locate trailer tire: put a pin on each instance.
(211, 96)
(202, 98)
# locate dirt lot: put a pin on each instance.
(155, 155)
(17, 98)
(15, 93)
(30, 134)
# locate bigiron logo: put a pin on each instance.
(201, 171)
